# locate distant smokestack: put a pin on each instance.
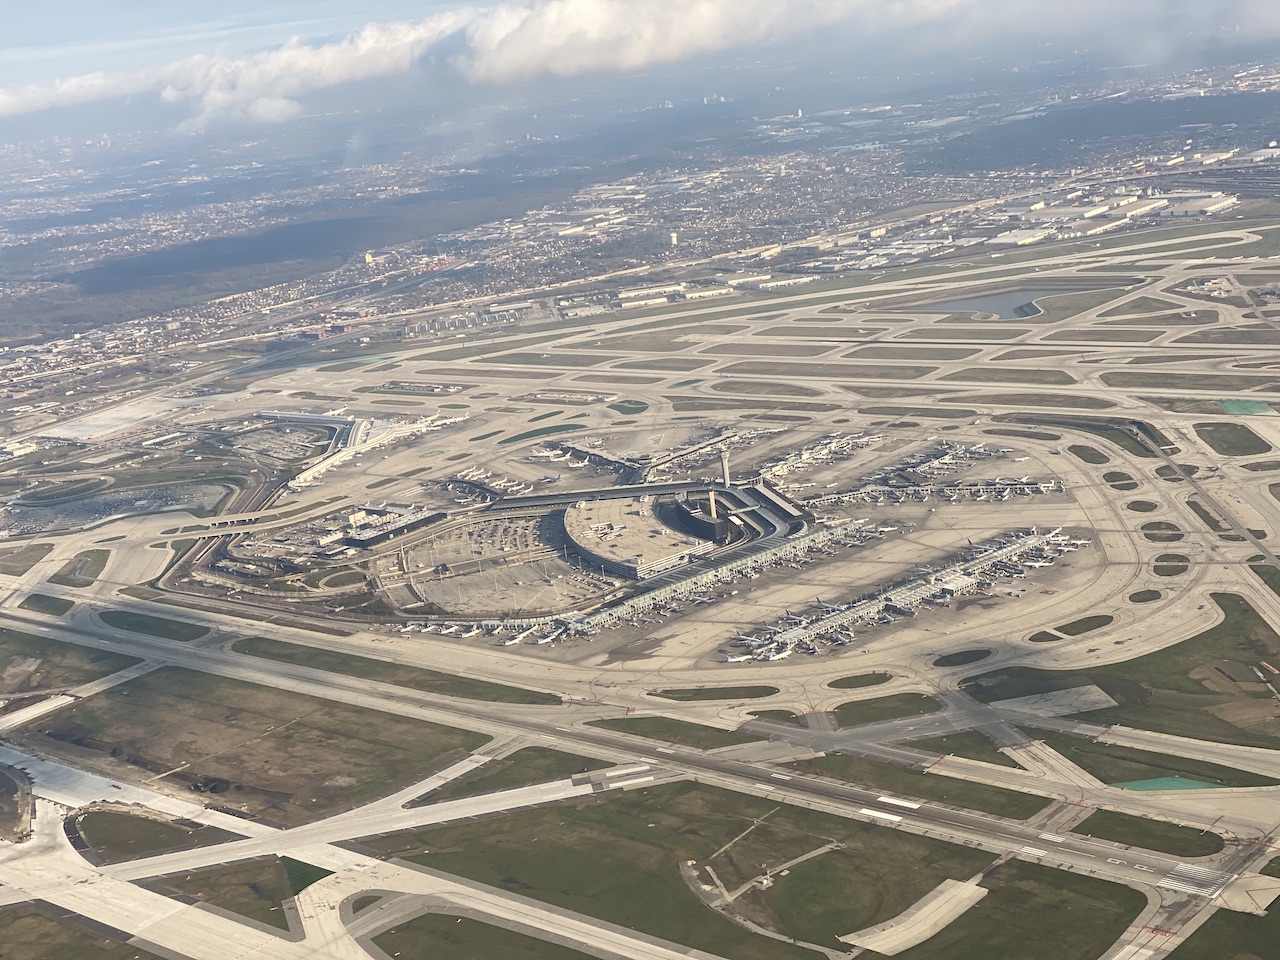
(724, 465)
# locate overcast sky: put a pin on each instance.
(261, 62)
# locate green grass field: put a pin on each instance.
(1150, 834)
(161, 627)
(82, 569)
(1089, 454)
(779, 716)
(1157, 692)
(1037, 913)
(254, 889)
(694, 735)
(967, 743)
(415, 677)
(436, 936)
(860, 681)
(114, 837)
(26, 933)
(52, 664)
(1112, 763)
(547, 431)
(717, 693)
(962, 658)
(43, 603)
(1232, 439)
(521, 769)
(925, 786)
(286, 757)
(856, 713)
(1085, 625)
(18, 561)
(1228, 935)
(618, 858)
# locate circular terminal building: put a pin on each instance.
(623, 537)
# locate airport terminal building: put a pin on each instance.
(623, 537)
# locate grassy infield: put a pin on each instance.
(617, 859)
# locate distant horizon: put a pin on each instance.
(154, 65)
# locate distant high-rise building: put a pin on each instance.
(675, 239)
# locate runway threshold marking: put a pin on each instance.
(1202, 881)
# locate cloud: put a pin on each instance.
(522, 40)
(572, 37)
(263, 86)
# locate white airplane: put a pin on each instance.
(739, 659)
(831, 607)
(700, 600)
(780, 654)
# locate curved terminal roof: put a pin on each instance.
(626, 536)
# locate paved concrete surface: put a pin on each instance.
(932, 913)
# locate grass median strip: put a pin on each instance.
(969, 744)
(416, 678)
(860, 681)
(43, 603)
(717, 693)
(694, 735)
(161, 627)
(857, 713)
(436, 936)
(1157, 835)
(1113, 764)
(521, 769)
